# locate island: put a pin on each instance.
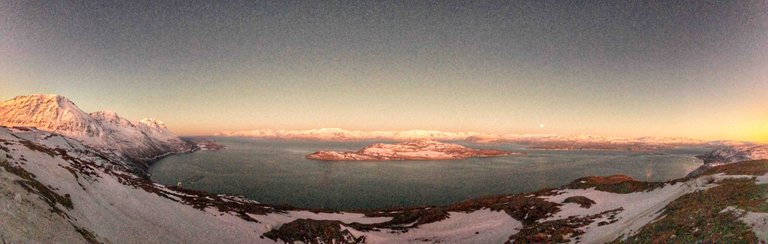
(205, 144)
(410, 150)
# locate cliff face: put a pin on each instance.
(411, 150)
(140, 142)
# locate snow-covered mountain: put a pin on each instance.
(581, 138)
(337, 134)
(538, 141)
(141, 141)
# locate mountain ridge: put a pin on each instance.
(141, 141)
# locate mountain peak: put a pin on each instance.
(51, 99)
(110, 117)
(153, 123)
(45, 111)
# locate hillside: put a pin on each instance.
(58, 189)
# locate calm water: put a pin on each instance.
(275, 172)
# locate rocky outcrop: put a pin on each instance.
(412, 150)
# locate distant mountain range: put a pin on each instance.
(337, 134)
(537, 141)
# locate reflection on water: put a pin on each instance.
(276, 172)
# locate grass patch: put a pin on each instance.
(696, 217)
(621, 184)
(756, 167)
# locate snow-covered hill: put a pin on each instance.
(737, 153)
(141, 141)
(733, 153)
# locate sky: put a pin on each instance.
(696, 69)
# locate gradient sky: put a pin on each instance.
(626, 68)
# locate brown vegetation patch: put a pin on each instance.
(313, 231)
(38, 148)
(527, 208)
(403, 218)
(87, 235)
(583, 201)
(561, 230)
(755, 167)
(615, 183)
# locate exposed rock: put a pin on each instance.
(583, 201)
